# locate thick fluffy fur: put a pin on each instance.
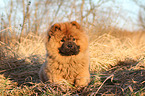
(72, 68)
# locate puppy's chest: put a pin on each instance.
(65, 69)
(68, 70)
(71, 67)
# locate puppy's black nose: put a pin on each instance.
(70, 45)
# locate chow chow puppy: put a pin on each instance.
(67, 55)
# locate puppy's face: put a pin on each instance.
(69, 46)
(67, 39)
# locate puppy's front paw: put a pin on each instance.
(82, 81)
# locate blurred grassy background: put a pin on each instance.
(113, 50)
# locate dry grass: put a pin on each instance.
(107, 50)
(120, 57)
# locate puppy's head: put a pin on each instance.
(67, 38)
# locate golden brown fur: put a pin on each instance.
(74, 68)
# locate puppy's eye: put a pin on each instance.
(74, 39)
(62, 40)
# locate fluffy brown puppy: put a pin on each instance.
(67, 55)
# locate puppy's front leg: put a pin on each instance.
(82, 79)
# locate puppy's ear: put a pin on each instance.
(55, 27)
(74, 23)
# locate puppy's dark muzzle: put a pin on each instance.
(69, 48)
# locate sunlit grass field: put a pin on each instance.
(117, 65)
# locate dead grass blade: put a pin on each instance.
(111, 76)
